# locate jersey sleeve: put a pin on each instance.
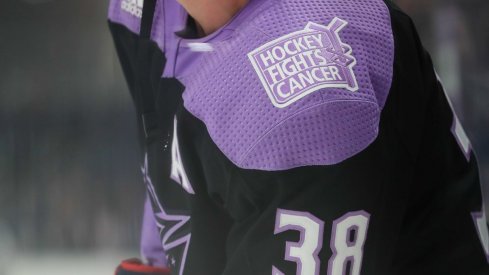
(152, 251)
(402, 205)
(124, 19)
(311, 219)
(343, 159)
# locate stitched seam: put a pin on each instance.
(269, 131)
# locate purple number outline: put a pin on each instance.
(457, 129)
(475, 217)
(299, 244)
(333, 238)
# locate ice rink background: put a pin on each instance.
(62, 263)
(70, 189)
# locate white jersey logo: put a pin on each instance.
(134, 7)
(299, 63)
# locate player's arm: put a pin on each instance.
(308, 220)
(345, 182)
(124, 21)
(124, 27)
(383, 210)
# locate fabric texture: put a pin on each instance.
(151, 249)
(169, 17)
(324, 127)
(126, 13)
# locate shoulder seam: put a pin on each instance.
(242, 158)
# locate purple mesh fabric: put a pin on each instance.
(158, 27)
(169, 17)
(327, 140)
(151, 249)
(323, 127)
(130, 18)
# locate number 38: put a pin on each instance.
(347, 240)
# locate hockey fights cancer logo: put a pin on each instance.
(305, 61)
(134, 7)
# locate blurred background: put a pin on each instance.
(70, 188)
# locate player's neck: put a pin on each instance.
(210, 15)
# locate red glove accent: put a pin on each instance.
(136, 267)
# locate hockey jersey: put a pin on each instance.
(141, 47)
(303, 137)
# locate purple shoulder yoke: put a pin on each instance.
(296, 83)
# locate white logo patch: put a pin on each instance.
(134, 7)
(302, 62)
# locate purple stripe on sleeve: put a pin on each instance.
(151, 248)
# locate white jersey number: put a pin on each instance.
(347, 241)
(304, 253)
